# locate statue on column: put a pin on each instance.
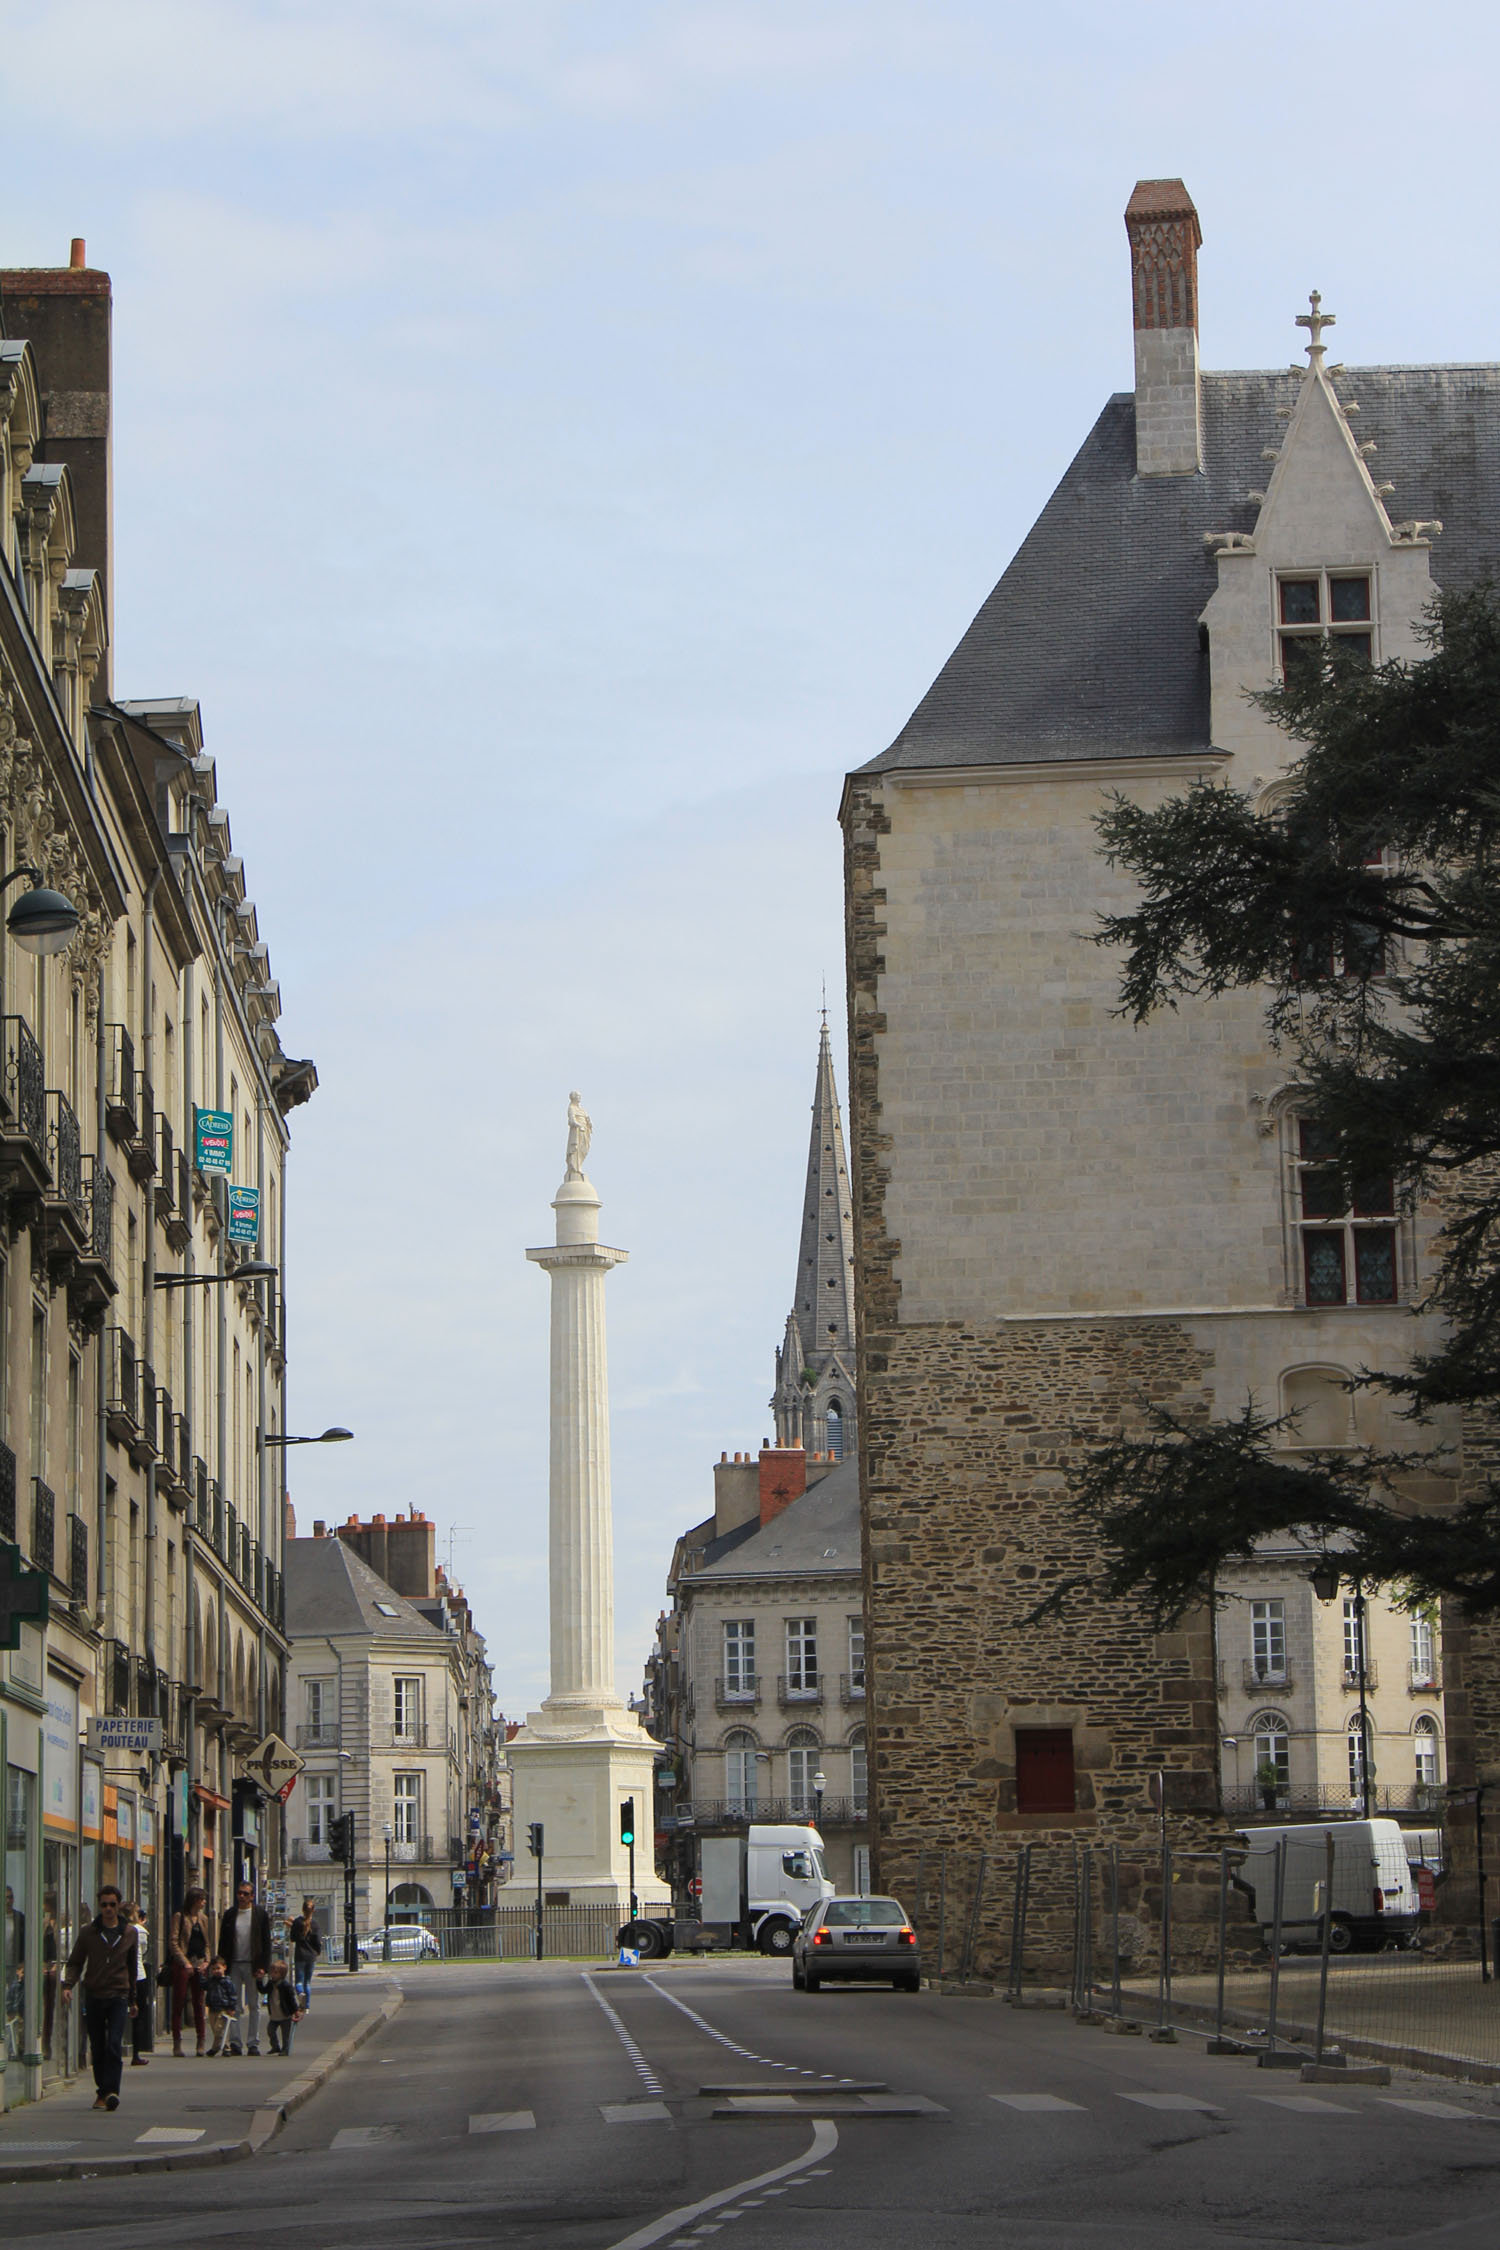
(580, 1138)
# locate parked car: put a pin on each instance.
(409, 1942)
(867, 1938)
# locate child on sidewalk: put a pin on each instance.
(222, 2002)
(282, 2008)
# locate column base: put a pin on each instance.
(574, 1766)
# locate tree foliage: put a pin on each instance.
(1365, 902)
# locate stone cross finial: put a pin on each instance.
(1315, 322)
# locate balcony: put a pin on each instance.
(175, 1476)
(1424, 1677)
(1351, 1672)
(1322, 1798)
(43, 1526)
(407, 1851)
(795, 1688)
(147, 1444)
(741, 1694)
(78, 1560)
(326, 1735)
(179, 1206)
(851, 1687)
(119, 1083)
(23, 1109)
(140, 1153)
(119, 1679)
(166, 1169)
(122, 1386)
(91, 1284)
(733, 1812)
(66, 1202)
(406, 1738)
(307, 1854)
(1267, 1672)
(7, 1493)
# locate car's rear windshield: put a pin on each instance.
(862, 1913)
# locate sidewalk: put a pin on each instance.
(177, 2115)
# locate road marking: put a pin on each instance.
(504, 2121)
(364, 2136)
(41, 2148)
(635, 2113)
(644, 2072)
(824, 2141)
(1173, 2101)
(1307, 2104)
(1034, 2102)
(1428, 2109)
(769, 2062)
(171, 2133)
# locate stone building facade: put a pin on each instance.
(141, 1372)
(1060, 1217)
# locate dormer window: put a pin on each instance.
(1316, 608)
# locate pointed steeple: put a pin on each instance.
(814, 1400)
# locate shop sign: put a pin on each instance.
(244, 1214)
(180, 1804)
(125, 1823)
(213, 1140)
(275, 1766)
(60, 1753)
(131, 1738)
(93, 1811)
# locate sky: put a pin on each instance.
(556, 442)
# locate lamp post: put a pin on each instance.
(820, 1783)
(334, 1436)
(386, 1924)
(254, 1269)
(1326, 1580)
(41, 920)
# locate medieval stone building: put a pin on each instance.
(1058, 1216)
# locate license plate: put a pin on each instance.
(864, 1937)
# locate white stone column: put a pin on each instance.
(580, 1534)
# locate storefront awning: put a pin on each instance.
(207, 1796)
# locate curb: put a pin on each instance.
(1420, 2059)
(263, 2123)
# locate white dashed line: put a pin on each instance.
(644, 2072)
(824, 2141)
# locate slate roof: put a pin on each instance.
(1088, 647)
(817, 1536)
(331, 1589)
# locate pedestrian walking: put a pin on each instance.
(106, 1959)
(223, 2003)
(140, 2021)
(307, 1944)
(188, 1948)
(245, 1943)
(283, 2012)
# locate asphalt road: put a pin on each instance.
(552, 2106)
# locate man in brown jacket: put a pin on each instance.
(105, 1959)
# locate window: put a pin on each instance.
(856, 1656)
(859, 1771)
(1044, 1769)
(1268, 1640)
(406, 1809)
(407, 1698)
(322, 1713)
(1358, 1763)
(320, 1807)
(802, 1656)
(739, 1656)
(1425, 1745)
(1317, 615)
(1423, 1653)
(1272, 1739)
(1348, 1249)
(803, 1755)
(1356, 1658)
(741, 1769)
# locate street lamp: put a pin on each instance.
(253, 1269)
(386, 1925)
(820, 1783)
(1326, 1579)
(42, 920)
(328, 1437)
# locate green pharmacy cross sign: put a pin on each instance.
(213, 1140)
(23, 1596)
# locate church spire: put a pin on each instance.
(814, 1400)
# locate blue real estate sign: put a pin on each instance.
(244, 1214)
(213, 1141)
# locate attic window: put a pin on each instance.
(388, 1609)
(1313, 611)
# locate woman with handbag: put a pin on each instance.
(189, 1947)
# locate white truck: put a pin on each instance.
(755, 1890)
(1374, 1902)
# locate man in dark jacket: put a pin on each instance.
(105, 1959)
(245, 1943)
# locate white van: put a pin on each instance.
(1375, 1900)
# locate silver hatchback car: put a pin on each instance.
(867, 1938)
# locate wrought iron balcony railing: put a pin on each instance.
(1352, 1671)
(7, 1493)
(851, 1687)
(1424, 1676)
(43, 1526)
(799, 1687)
(741, 1693)
(710, 1812)
(99, 1199)
(78, 1558)
(410, 1737)
(1267, 1672)
(119, 1081)
(122, 1381)
(326, 1735)
(65, 1155)
(25, 1083)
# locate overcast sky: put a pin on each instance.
(556, 442)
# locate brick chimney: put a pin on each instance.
(783, 1479)
(1164, 240)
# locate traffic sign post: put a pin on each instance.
(535, 1839)
(627, 1836)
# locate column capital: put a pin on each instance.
(592, 1254)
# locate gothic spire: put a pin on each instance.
(814, 1402)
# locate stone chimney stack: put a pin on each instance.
(1164, 240)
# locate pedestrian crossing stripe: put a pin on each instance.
(179, 2134)
(1173, 2101)
(635, 2113)
(1035, 2103)
(504, 2121)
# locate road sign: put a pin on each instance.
(244, 1214)
(133, 1738)
(275, 1765)
(213, 1140)
(23, 1596)
(695, 1886)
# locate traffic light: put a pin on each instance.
(534, 1839)
(627, 1821)
(341, 1839)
